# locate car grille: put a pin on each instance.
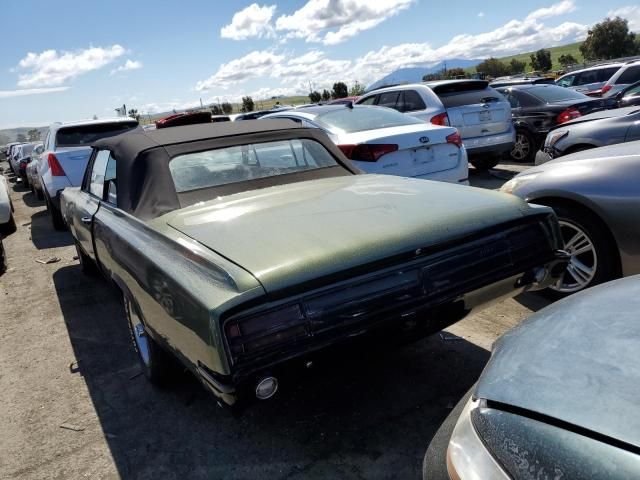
(395, 292)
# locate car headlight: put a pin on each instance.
(554, 137)
(518, 181)
(467, 457)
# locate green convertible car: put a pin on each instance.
(245, 249)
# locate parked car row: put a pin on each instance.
(244, 250)
(602, 80)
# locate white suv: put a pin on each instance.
(626, 75)
(589, 80)
(480, 113)
(66, 152)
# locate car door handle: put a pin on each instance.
(86, 220)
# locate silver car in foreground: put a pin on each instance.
(7, 222)
(596, 195)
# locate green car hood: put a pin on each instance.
(290, 234)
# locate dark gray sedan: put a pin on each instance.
(598, 129)
(557, 400)
(596, 195)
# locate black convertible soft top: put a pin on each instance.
(145, 186)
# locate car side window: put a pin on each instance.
(630, 75)
(412, 101)
(513, 100)
(633, 92)
(590, 76)
(389, 99)
(567, 81)
(368, 101)
(98, 172)
(112, 185)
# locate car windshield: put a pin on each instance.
(553, 93)
(213, 168)
(87, 134)
(351, 120)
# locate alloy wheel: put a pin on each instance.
(583, 264)
(521, 148)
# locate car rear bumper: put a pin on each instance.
(490, 145)
(397, 328)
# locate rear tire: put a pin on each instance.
(9, 227)
(159, 366)
(39, 194)
(484, 164)
(56, 216)
(594, 259)
(524, 149)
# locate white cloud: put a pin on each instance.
(343, 18)
(51, 68)
(630, 13)
(30, 91)
(295, 72)
(253, 21)
(128, 65)
(560, 8)
(480, 14)
(253, 65)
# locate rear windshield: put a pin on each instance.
(26, 150)
(351, 120)
(87, 134)
(630, 75)
(554, 93)
(213, 168)
(466, 93)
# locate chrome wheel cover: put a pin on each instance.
(521, 148)
(139, 334)
(583, 264)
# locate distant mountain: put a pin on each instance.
(415, 74)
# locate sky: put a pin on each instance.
(86, 57)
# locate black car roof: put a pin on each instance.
(145, 185)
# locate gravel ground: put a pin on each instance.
(74, 403)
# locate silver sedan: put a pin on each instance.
(596, 195)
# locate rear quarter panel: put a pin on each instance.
(179, 288)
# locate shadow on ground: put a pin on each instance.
(370, 416)
(44, 236)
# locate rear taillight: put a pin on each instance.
(568, 114)
(54, 166)
(440, 119)
(367, 152)
(605, 89)
(455, 139)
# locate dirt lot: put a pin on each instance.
(74, 405)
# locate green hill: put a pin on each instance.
(556, 52)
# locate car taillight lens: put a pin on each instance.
(440, 119)
(568, 114)
(54, 166)
(270, 328)
(605, 89)
(367, 152)
(455, 139)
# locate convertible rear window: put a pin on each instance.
(87, 134)
(213, 168)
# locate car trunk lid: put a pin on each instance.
(296, 233)
(421, 150)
